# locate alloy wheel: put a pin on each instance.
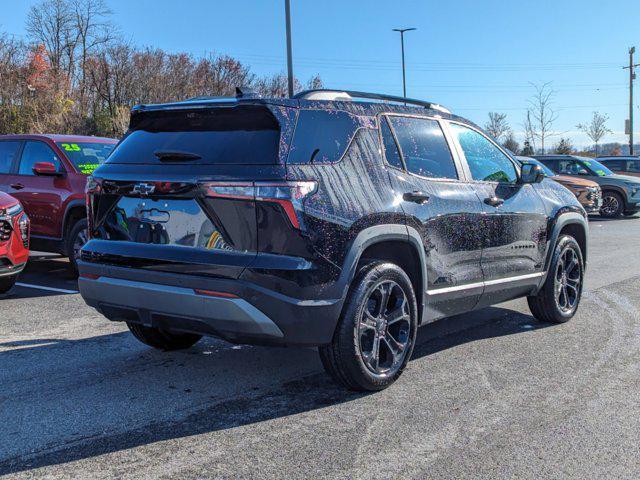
(79, 242)
(610, 205)
(568, 281)
(384, 328)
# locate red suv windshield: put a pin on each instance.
(86, 156)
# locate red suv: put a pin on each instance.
(48, 173)
(14, 241)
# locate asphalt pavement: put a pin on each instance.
(493, 393)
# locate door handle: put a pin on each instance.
(494, 201)
(416, 197)
(17, 186)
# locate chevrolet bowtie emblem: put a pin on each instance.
(144, 189)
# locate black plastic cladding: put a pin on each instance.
(299, 278)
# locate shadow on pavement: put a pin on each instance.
(306, 393)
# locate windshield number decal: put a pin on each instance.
(71, 147)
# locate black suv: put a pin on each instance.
(342, 220)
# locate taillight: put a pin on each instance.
(289, 195)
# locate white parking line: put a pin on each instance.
(49, 289)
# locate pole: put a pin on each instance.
(287, 10)
(632, 77)
(404, 78)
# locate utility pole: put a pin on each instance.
(287, 12)
(404, 82)
(632, 76)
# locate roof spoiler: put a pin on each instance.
(349, 95)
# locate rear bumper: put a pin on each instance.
(240, 312)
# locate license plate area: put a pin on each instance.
(179, 222)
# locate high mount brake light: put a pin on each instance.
(289, 195)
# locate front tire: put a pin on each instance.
(612, 205)
(7, 283)
(78, 236)
(163, 339)
(559, 298)
(376, 333)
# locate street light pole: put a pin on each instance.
(632, 77)
(404, 81)
(287, 11)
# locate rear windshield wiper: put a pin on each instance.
(176, 155)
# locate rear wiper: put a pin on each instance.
(175, 155)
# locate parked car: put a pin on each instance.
(341, 220)
(587, 192)
(628, 165)
(48, 174)
(14, 241)
(620, 193)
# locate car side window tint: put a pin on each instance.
(391, 152)
(615, 164)
(35, 152)
(424, 148)
(321, 136)
(633, 166)
(486, 161)
(8, 152)
(571, 167)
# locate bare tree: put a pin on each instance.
(315, 82)
(510, 143)
(542, 112)
(497, 125)
(50, 24)
(93, 30)
(530, 131)
(596, 129)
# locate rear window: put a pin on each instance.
(86, 156)
(247, 135)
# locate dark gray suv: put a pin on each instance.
(620, 193)
(341, 220)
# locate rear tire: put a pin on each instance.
(7, 283)
(629, 214)
(612, 205)
(559, 298)
(376, 332)
(163, 339)
(78, 236)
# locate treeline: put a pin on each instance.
(74, 74)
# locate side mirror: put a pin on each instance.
(531, 173)
(46, 169)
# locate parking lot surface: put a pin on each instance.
(490, 393)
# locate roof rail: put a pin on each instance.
(337, 95)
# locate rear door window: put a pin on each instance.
(424, 147)
(35, 152)
(245, 135)
(486, 162)
(8, 153)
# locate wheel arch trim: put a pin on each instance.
(564, 219)
(378, 234)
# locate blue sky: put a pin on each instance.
(471, 56)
